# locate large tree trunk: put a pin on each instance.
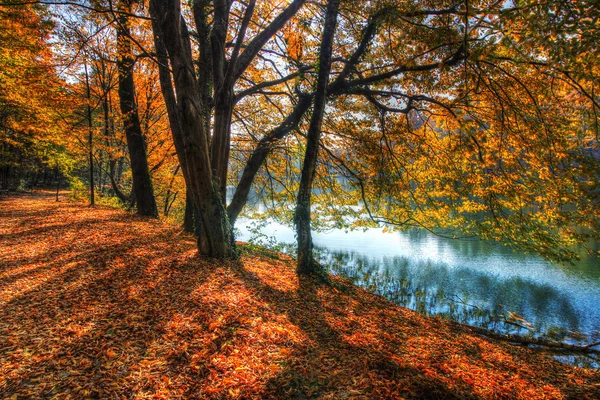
(204, 157)
(166, 87)
(136, 141)
(216, 237)
(306, 264)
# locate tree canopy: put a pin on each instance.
(31, 93)
(460, 117)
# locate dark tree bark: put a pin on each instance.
(188, 217)
(90, 136)
(204, 157)
(166, 87)
(136, 141)
(305, 263)
(168, 199)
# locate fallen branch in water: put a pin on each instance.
(553, 344)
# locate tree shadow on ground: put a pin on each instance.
(121, 307)
(319, 368)
(82, 319)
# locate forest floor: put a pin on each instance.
(99, 303)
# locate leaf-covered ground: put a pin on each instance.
(97, 303)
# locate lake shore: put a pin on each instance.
(98, 303)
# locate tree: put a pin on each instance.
(136, 140)
(121, 69)
(306, 264)
(443, 115)
(490, 146)
(204, 156)
(30, 97)
(463, 129)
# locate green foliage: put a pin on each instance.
(260, 240)
(110, 201)
(251, 249)
(78, 189)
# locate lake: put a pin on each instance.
(469, 280)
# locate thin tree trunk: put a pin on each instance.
(90, 136)
(136, 141)
(305, 263)
(168, 202)
(111, 160)
(100, 180)
(115, 185)
(259, 155)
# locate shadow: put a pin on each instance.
(84, 317)
(122, 307)
(317, 369)
(58, 227)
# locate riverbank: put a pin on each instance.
(98, 303)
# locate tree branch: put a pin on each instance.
(266, 84)
(264, 36)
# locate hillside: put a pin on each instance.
(98, 303)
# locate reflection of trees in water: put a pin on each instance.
(462, 294)
(586, 267)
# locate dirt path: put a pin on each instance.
(96, 303)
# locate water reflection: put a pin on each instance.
(470, 281)
(463, 294)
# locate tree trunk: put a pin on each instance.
(204, 158)
(90, 136)
(188, 217)
(216, 237)
(173, 112)
(305, 263)
(111, 160)
(166, 87)
(136, 141)
(168, 200)
(170, 204)
(115, 185)
(100, 180)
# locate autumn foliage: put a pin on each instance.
(31, 96)
(97, 303)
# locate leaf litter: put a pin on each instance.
(101, 304)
